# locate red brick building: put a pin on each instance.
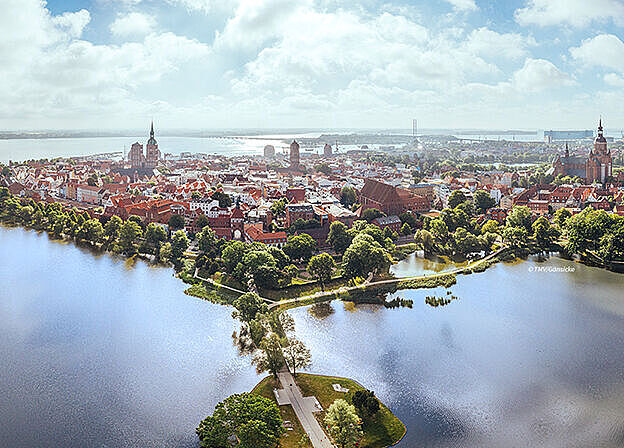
(390, 199)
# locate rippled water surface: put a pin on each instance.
(415, 264)
(521, 359)
(98, 353)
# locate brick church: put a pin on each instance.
(596, 167)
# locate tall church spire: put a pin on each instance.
(152, 130)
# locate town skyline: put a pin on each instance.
(270, 64)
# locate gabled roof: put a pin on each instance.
(379, 191)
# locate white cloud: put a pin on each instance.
(604, 50)
(578, 13)
(73, 22)
(206, 6)
(463, 5)
(132, 24)
(613, 79)
(539, 74)
(488, 43)
(49, 72)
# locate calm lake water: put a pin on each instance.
(416, 264)
(97, 353)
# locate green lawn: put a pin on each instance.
(290, 439)
(383, 430)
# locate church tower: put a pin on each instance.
(599, 163)
(153, 154)
(294, 155)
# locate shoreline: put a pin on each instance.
(315, 385)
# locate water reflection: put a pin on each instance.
(99, 352)
(524, 359)
(416, 264)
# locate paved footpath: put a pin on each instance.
(304, 408)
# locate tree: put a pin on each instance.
(520, 216)
(248, 306)
(483, 201)
(439, 230)
(207, 241)
(338, 237)
(343, 423)
(465, 243)
(233, 254)
(612, 243)
(409, 218)
(323, 168)
(155, 235)
(280, 257)
(165, 252)
(224, 199)
(426, 240)
(111, 228)
(516, 237)
(278, 208)
(406, 229)
(129, 234)
(297, 355)
(26, 214)
(363, 256)
(179, 244)
(543, 233)
(291, 272)
(348, 196)
(176, 222)
(371, 213)
(250, 419)
(270, 359)
(366, 403)
(91, 230)
(561, 217)
(300, 247)
(321, 266)
(457, 197)
(201, 221)
(490, 226)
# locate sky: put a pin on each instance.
(213, 64)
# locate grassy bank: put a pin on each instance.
(381, 431)
(292, 436)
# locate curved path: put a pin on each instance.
(368, 283)
(229, 288)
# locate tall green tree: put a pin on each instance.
(250, 420)
(520, 216)
(343, 423)
(296, 354)
(112, 227)
(483, 201)
(321, 266)
(338, 237)
(457, 197)
(363, 256)
(155, 236)
(129, 234)
(248, 306)
(176, 222)
(270, 358)
(348, 196)
(300, 247)
(179, 244)
(91, 230)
